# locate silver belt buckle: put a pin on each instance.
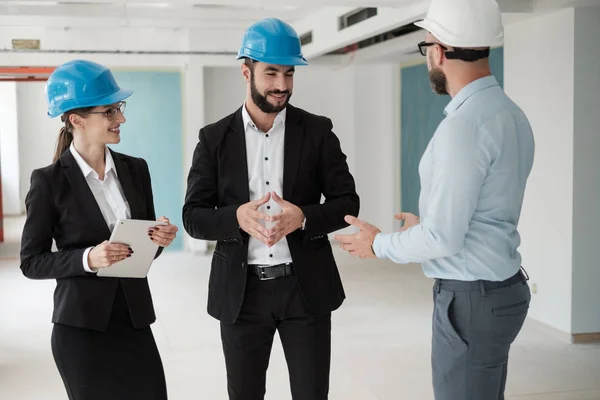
(261, 270)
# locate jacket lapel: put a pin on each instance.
(126, 179)
(294, 136)
(83, 192)
(235, 156)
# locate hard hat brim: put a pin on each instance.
(421, 24)
(119, 95)
(286, 61)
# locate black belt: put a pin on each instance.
(266, 272)
(481, 285)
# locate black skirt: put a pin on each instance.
(121, 363)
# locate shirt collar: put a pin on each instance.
(468, 91)
(85, 167)
(279, 119)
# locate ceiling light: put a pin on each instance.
(28, 3)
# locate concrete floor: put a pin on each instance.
(380, 350)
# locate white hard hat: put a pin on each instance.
(465, 23)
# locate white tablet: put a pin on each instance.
(133, 233)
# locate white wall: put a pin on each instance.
(329, 91)
(193, 120)
(377, 154)
(540, 80)
(118, 39)
(224, 92)
(37, 132)
(586, 178)
(9, 149)
(98, 38)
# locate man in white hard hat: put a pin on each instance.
(473, 176)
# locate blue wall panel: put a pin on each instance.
(154, 132)
(421, 113)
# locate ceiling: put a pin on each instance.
(195, 14)
(214, 25)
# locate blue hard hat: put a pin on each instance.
(272, 41)
(80, 83)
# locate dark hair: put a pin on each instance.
(250, 63)
(65, 136)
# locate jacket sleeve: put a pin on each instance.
(149, 199)
(37, 259)
(338, 188)
(202, 218)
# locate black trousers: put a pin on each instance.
(269, 306)
(121, 363)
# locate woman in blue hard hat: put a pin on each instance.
(101, 341)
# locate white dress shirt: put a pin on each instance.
(265, 174)
(108, 193)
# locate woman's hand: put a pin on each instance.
(163, 235)
(106, 254)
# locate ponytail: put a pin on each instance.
(65, 136)
(64, 141)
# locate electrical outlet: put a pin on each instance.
(534, 288)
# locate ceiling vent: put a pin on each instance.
(356, 16)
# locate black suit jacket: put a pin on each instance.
(314, 165)
(61, 206)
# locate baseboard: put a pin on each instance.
(549, 330)
(585, 338)
(571, 338)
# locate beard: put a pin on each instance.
(439, 82)
(261, 100)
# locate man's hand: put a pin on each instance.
(359, 244)
(409, 219)
(248, 219)
(289, 220)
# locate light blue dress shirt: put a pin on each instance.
(473, 176)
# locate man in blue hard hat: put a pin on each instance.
(255, 187)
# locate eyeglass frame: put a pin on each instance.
(424, 45)
(120, 108)
(457, 53)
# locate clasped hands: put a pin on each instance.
(287, 221)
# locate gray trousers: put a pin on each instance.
(474, 325)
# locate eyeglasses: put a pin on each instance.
(112, 112)
(457, 53)
(424, 45)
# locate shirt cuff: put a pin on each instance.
(86, 266)
(378, 245)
